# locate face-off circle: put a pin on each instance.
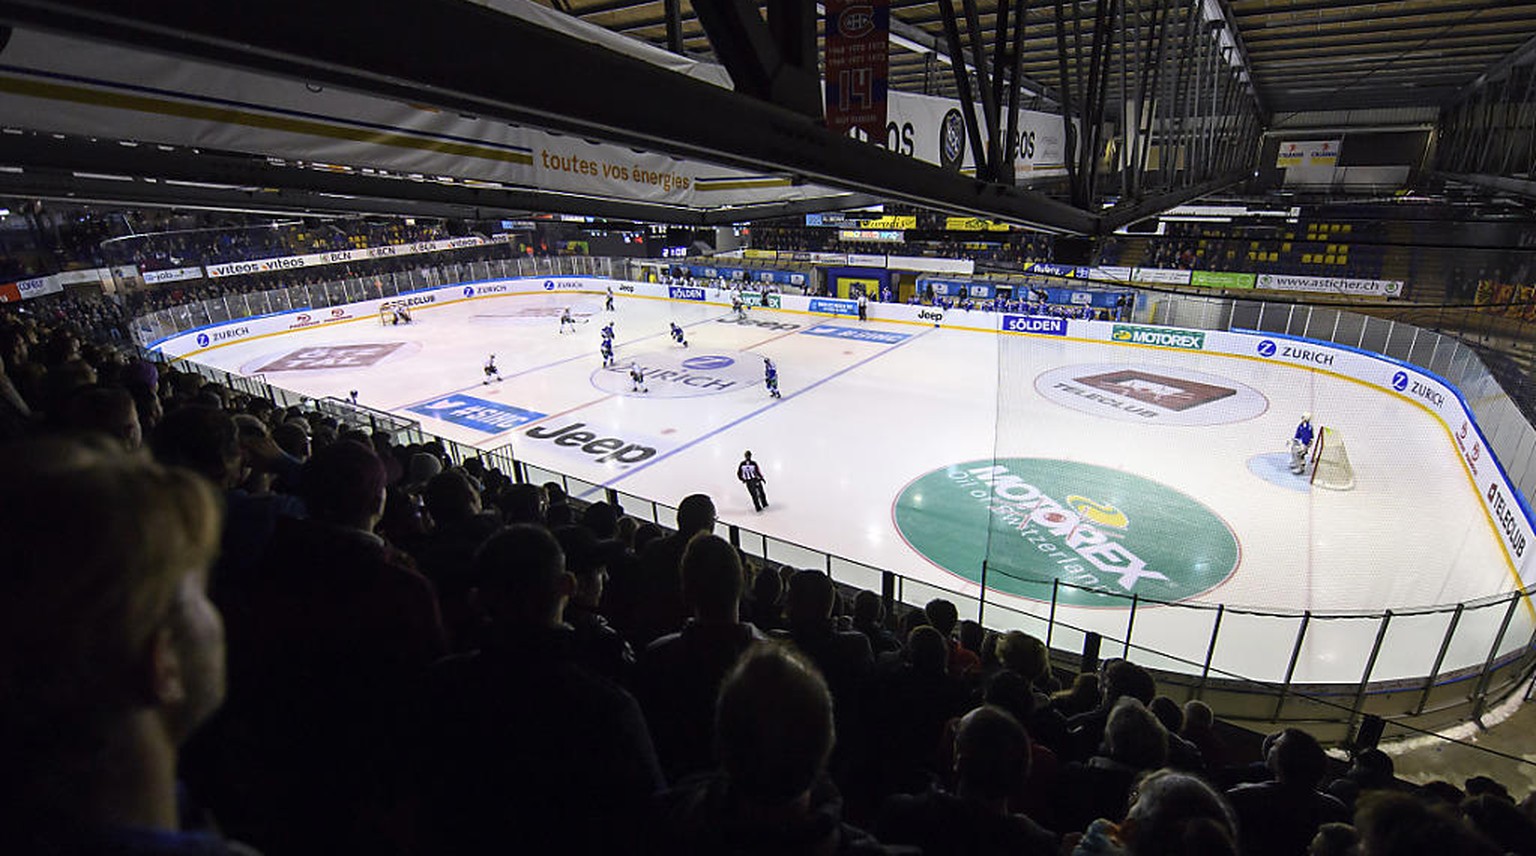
(682, 374)
(1105, 534)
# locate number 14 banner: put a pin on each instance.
(857, 65)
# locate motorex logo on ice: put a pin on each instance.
(1104, 534)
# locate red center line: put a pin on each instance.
(598, 400)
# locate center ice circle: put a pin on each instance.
(679, 374)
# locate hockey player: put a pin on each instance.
(738, 306)
(751, 475)
(1301, 443)
(608, 331)
(863, 307)
(353, 395)
(491, 372)
(608, 303)
(566, 320)
(677, 335)
(636, 379)
(402, 315)
(771, 377)
(606, 348)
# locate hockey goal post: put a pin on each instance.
(1330, 462)
(387, 312)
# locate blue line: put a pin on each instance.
(550, 366)
(737, 421)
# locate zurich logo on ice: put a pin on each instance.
(469, 291)
(708, 363)
(1266, 348)
(202, 340)
(1400, 381)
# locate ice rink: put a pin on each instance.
(1141, 470)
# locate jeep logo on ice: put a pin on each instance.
(752, 322)
(1400, 381)
(1266, 348)
(1042, 325)
(602, 449)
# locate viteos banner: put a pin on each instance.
(343, 256)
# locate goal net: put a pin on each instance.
(1330, 462)
(387, 313)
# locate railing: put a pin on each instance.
(233, 307)
(1212, 667)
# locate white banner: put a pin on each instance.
(38, 286)
(933, 265)
(1165, 276)
(1331, 285)
(340, 257)
(153, 277)
(933, 130)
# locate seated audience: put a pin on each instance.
(1282, 816)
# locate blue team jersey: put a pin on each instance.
(1304, 433)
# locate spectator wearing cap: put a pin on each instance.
(678, 676)
(597, 645)
(518, 747)
(111, 654)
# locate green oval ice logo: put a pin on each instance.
(1106, 534)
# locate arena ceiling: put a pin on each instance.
(1230, 68)
(1301, 54)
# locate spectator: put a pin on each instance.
(869, 619)
(1182, 754)
(911, 701)
(1369, 770)
(518, 745)
(1134, 743)
(843, 656)
(944, 617)
(104, 409)
(1026, 656)
(661, 604)
(596, 645)
(1281, 817)
(1121, 678)
(770, 794)
(111, 653)
(767, 594)
(1199, 729)
(678, 675)
(324, 637)
(1392, 823)
(1501, 822)
(1080, 698)
(992, 761)
(1335, 839)
(446, 554)
(1171, 814)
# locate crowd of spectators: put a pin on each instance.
(1014, 249)
(223, 620)
(216, 243)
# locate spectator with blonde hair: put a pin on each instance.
(111, 653)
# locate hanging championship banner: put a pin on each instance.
(857, 65)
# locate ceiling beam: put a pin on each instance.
(626, 100)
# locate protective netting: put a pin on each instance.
(1330, 462)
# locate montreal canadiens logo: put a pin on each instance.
(856, 22)
(1266, 348)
